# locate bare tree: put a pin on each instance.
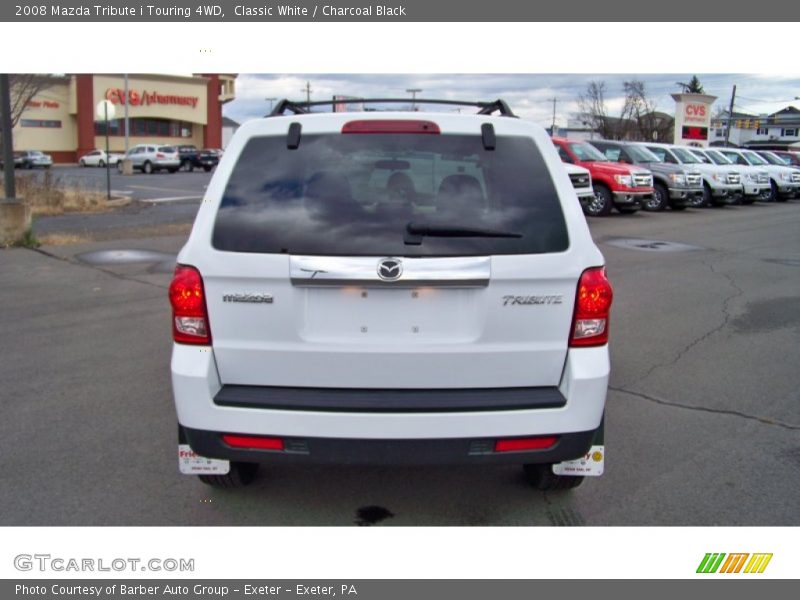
(24, 88)
(592, 105)
(639, 113)
(637, 119)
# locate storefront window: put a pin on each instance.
(39, 123)
(163, 128)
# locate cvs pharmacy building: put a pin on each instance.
(162, 109)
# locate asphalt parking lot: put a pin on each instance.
(156, 187)
(159, 199)
(703, 414)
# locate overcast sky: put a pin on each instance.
(530, 96)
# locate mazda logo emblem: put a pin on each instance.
(390, 269)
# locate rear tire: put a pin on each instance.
(541, 477)
(101, 164)
(206, 169)
(83, 163)
(147, 167)
(240, 475)
(601, 204)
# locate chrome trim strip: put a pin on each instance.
(313, 271)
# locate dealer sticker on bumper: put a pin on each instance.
(191, 463)
(589, 465)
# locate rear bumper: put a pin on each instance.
(167, 164)
(583, 386)
(389, 451)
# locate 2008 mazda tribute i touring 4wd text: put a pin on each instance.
(390, 287)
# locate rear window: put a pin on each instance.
(356, 194)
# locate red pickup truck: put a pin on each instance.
(616, 185)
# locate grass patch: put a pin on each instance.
(63, 239)
(122, 233)
(47, 194)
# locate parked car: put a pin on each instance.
(755, 181)
(790, 158)
(582, 182)
(773, 159)
(674, 186)
(31, 159)
(784, 181)
(615, 185)
(397, 287)
(720, 185)
(18, 158)
(98, 158)
(192, 158)
(150, 158)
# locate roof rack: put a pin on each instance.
(302, 108)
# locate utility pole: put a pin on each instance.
(553, 126)
(15, 216)
(308, 91)
(271, 103)
(413, 92)
(730, 118)
(8, 147)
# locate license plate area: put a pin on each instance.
(191, 463)
(589, 465)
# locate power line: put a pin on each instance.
(768, 101)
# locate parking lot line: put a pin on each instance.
(172, 199)
(156, 189)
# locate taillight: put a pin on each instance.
(522, 444)
(252, 442)
(159, 155)
(386, 126)
(189, 313)
(592, 307)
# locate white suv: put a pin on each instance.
(149, 158)
(395, 288)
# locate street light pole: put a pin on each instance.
(125, 104)
(108, 156)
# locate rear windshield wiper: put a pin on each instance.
(416, 231)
